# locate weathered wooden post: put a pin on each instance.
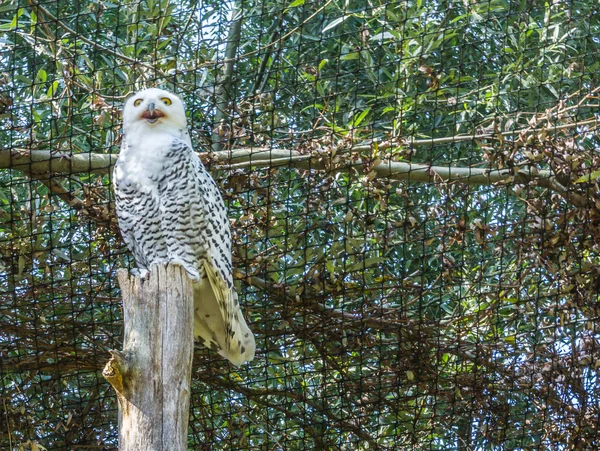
(152, 373)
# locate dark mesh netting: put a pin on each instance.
(413, 193)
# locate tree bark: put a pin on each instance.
(152, 373)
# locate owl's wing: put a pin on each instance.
(219, 320)
(229, 332)
(138, 212)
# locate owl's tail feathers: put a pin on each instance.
(241, 345)
(218, 320)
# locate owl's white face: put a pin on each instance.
(154, 109)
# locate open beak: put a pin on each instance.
(152, 114)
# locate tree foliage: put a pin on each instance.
(389, 314)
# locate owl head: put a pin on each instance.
(154, 109)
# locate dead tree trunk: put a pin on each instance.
(152, 373)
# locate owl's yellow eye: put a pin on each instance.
(137, 102)
(166, 101)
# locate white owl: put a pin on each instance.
(170, 211)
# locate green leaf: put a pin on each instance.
(20, 265)
(330, 267)
(52, 89)
(360, 117)
(384, 36)
(318, 106)
(349, 56)
(41, 76)
(296, 3)
(308, 76)
(588, 177)
(33, 21)
(335, 23)
(373, 262)
(16, 18)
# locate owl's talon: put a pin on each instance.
(195, 275)
(191, 271)
(141, 273)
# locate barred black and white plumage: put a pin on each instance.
(170, 211)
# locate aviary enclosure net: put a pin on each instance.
(413, 192)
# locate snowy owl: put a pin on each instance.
(170, 211)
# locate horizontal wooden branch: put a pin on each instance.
(44, 161)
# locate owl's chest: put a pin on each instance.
(145, 165)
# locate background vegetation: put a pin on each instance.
(396, 306)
